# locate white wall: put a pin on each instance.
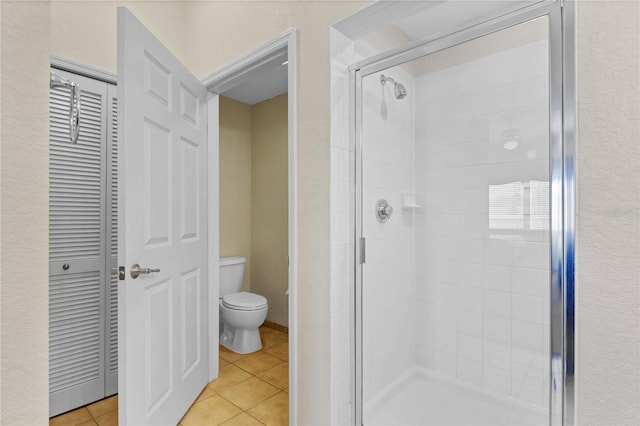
(24, 292)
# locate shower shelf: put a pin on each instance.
(409, 201)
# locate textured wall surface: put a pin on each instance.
(235, 182)
(269, 206)
(86, 31)
(608, 220)
(24, 292)
(608, 374)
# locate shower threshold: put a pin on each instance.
(422, 397)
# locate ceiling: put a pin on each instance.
(414, 20)
(420, 20)
(439, 19)
(261, 83)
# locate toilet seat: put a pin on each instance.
(244, 301)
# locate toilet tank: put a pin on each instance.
(231, 274)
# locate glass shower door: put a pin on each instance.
(454, 193)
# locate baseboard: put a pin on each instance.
(277, 327)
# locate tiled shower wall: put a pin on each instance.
(343, 54)
(480, 240)
(389, 162)
(388, 274)
(482, 249)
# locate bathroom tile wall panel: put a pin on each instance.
(345, 52)
(482, 237)
(341, 230)
(388, 274)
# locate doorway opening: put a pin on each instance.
(255, 97)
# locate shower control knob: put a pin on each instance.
(383, 210)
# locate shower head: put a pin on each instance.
(399, 90)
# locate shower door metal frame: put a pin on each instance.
(562, 148)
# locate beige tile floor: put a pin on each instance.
(251, 389)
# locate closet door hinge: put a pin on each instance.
(122, 274)
(363, 250)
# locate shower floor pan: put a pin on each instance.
(425, 398)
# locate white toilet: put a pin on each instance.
(241, 313)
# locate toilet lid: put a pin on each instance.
(244, 301)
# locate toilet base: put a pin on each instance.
(241, 341)
(240, 332)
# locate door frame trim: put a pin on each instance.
(223, 79)
(213, 231)
(83, 69)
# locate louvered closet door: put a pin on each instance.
(111, 273)
(79, 262)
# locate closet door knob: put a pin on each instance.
(66, 266)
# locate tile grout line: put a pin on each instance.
(243, 411)
(280, 338)
(255, 375)
(217, 392)
(248, 378)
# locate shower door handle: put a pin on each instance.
(136, 270)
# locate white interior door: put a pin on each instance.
(163, 316)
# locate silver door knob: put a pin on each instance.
(136, 270)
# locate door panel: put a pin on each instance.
(163, 210)
(76, 248)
